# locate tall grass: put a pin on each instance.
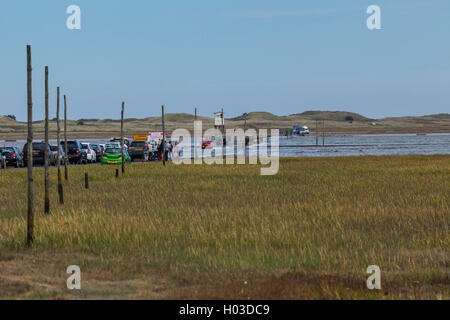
(318, 215)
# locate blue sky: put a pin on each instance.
(281, 56)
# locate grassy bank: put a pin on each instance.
(201, 231)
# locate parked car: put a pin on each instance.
(139, 150)
(114, 156)
(74, 152)
(13, 157)
(38, 149)
(112, 145)
(300, 130)
(98, 151)
(91, 154)
(54, 155)
(207, 144)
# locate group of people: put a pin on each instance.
(164, 149)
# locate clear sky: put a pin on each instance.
(283, 57)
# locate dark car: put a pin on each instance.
(138, 150)
(38, 153)
(12, 156)
(74, 152)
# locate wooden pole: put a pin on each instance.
(30, 217)
(121, 139)
(317, 134)
(323, 132)
(223, 122)
(117, 173)
(164, 136)
(195, 147)
(66, 157)
(46, 155)
(86, 180)
(58, 154)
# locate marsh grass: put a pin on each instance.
(328, 218)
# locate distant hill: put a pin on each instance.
(335, 122)
(330, 115)
(307, 115)
(7, 120)
(431, 117)
(257, 116)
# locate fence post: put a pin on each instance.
(46, 155)
(66, 174)
(117, 173)
(121, 138)
(58, 154)
(30, 216)
(164, 137)
(323, 132)
(195, 147)
(317, 134)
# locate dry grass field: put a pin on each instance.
(226, 232)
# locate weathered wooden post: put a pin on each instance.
(58, 154)
(317, 134)
(164, 137)
(66, 158)
(195, 147)
(117, 173)
(121, 138)
(46, 155)
(323, 132)
(4, 162)
(86, 180)
(30, 217)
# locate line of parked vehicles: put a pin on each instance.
(77, 153)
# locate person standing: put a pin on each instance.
(171, 151)
(167, 150)
(160, 150)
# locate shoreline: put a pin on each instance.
(13, 138)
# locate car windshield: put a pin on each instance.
(4, 150)
(71, 145)
(138, 144)
(113, 150)
(38, 146)
(85, 146)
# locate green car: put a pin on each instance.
(114, 156)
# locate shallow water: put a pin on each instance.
(343, 145)
(369, 144)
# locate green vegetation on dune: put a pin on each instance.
(308, 232)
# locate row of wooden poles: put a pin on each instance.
(30, 213)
